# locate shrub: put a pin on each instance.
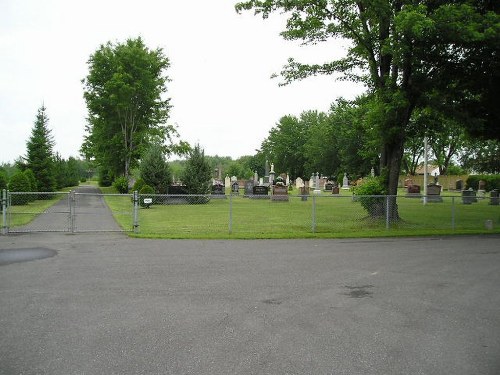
(19, 183)
(105, 177)
(154, 170)
(491, 182)
(138, 184)
(3, 180)
(365, 192)
(145, 192)
(121, 185)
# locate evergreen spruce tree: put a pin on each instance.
(197, 174)
(155, 171)
(40, 158)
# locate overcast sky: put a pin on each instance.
(221, 63)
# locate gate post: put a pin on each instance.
(136, 211)
(72, 211)
(4, 212)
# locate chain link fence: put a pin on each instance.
(248, 216)
(205, 216)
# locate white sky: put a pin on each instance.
(221, 63)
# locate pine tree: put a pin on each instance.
(197, 174)
(40, 158)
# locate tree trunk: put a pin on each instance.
(390, 163)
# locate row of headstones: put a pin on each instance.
(469, 196)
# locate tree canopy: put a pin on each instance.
(124, 92)
(408, 53)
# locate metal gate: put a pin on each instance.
(83, 210)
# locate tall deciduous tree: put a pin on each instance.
(40, 156)
(124, 92)
(400, 49)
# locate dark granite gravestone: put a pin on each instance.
(335, 190)
(235, 188)
(459, 185)
(469, 196)
(328, 186)
(218, 189)
(494, 197)
(260, 191)
(249, 187)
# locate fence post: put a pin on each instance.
(4, 212)
(314, 213)
(136, 211)
(72, 203)
(452, 213)
(230, 213)
(387, 212)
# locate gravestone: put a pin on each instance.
(345, 182)
(260, 191)
(235, 188)
(227, 181)
(459, 185)
(413, 191)
(299, 183)
(335, 190)
(434, 193)
(218, 189)
(469, 196)
(280, 191)
(329, 186)
(304, 192)
(249, 187)
(494, 197)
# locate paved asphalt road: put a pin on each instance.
(107, 304)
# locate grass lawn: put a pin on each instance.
(334, 217)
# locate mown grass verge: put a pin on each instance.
(334, 217)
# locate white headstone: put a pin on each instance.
(345, 182)
(299, 183)
(287, 180)
(227, 181)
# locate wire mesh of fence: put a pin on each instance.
(250, 216)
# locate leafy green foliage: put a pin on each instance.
(121, 184)
(138, 184)
(409, 54)
(491, 182)
(146, 192)
(155, 171)
(367, 195)
(105, 177)
(20, 183)
(3, 179)
(124, 95)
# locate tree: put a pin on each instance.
(285, 145)
(482, 156)
(40, 157)
(197, 176)
(400, 49)
(154, 170)
(127, 112)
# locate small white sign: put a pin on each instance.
(148, 200)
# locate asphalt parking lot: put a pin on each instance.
(108, 304)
